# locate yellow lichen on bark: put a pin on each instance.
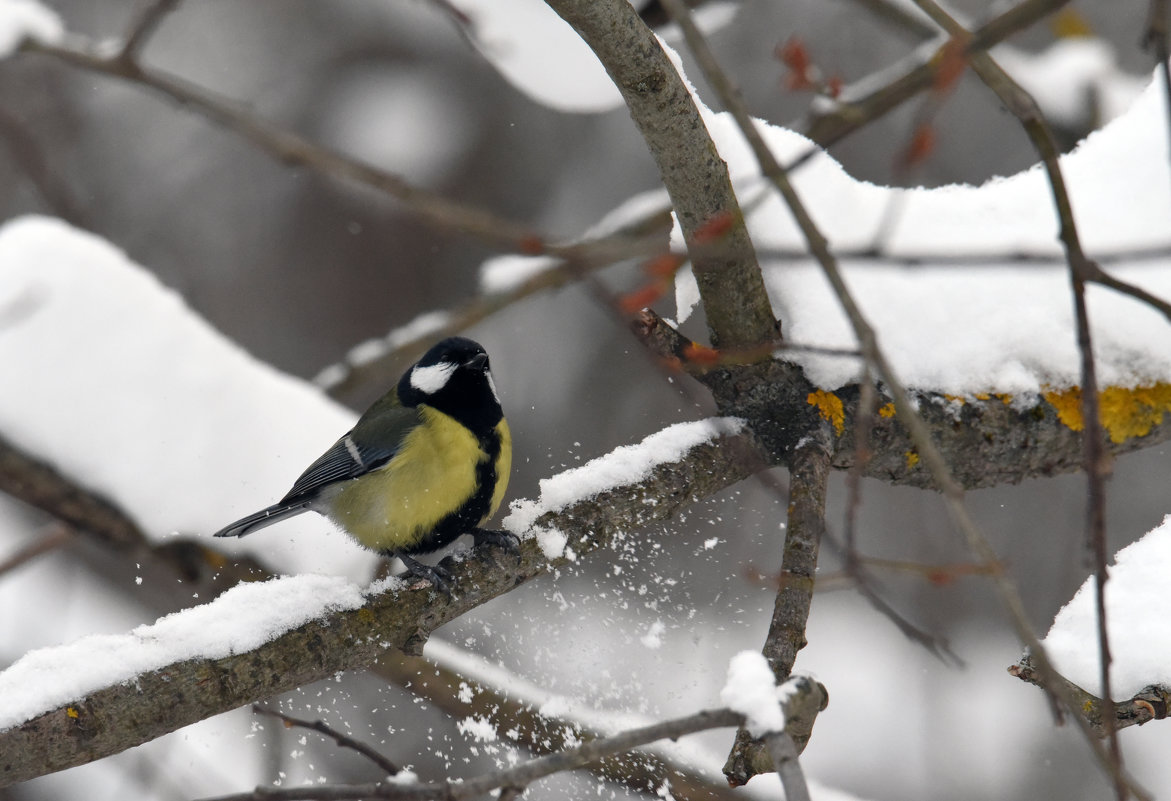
(830, 407)
(1125, 412)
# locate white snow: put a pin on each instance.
(552, 542)
(126, 390)
(627, 464)
(539, 54)
(1138, 613)
(423, 327)
(1071, 76)
(27, 19)
(751, 690)
(508, 271)
(241, 619)
(478, 728)
(654, 636)
(998, 326)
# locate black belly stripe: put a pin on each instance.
(472, 511)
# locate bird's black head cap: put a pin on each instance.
(454, 377)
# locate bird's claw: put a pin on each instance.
(440, 577)
(502, 539)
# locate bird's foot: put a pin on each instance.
(501, 539)
(440, 577)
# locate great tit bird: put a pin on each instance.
(428, 462)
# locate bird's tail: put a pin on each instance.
(265, 517)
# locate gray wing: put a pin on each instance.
(358, 452)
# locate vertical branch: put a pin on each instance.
(809, 477)
(1081, 269)
(1156, 38)
(696, 178)
(932, 458)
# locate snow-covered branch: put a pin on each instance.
(174, 680)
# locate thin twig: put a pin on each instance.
(853, 113)
(290, 148)
(529, 723)
(57, 536)
(1156, 37)
(28, 153)
(518, 776)
(343, 740)
(917, 429)
(1081, 269)
(144, 28)
(784, 754)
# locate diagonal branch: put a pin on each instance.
(144, 28)
(851, 113)
(117, 717)
(918, 430)
(1081, 269)
(295, 150)
(696, 178)
(512, 708)
(513, 778)
(342, 740)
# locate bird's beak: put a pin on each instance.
(477, 362)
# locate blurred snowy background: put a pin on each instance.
(298, 269)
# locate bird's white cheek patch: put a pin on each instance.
(429, 380)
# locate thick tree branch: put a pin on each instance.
(118, 717)
(694, 174)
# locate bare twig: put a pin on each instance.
(917, 429)
(1156, 37)
(852, 113)
(295, 150)
(28, 153)
(784, 754)
(518, 776)
(144, 28)
(1151, 703)
(343, 740)
(645, 238)
(55, 537)
(1025, 108)
(519, 714)
(808, 478)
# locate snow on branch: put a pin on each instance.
(27, 20)
(175, 676)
